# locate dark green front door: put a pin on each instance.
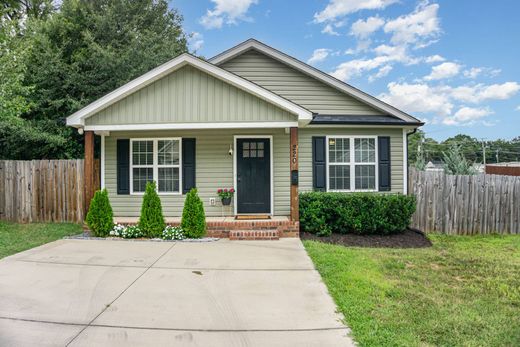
(253, 176)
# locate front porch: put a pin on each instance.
(222, 159)
(229, 227)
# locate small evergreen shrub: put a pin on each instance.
(151, 221)
(193, 221)
(323, 213)
(100, 217)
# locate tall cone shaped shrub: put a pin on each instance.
(100, 216)
(193, 222)
(151, 220)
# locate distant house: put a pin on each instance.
(507, 169)
(431, 166)
(252, 118)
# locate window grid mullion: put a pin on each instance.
(352, 164)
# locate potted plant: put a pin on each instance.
(225, 195)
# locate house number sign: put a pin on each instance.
(294, 154)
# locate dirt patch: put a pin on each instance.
(407, 239)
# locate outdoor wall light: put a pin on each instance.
(230, 152)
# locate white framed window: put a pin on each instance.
(158, 160)
(351, 163)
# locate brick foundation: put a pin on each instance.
(253, 230)
(250, 229)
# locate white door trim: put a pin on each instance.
(271, 160)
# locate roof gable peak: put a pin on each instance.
(78, 118)
(253, 44)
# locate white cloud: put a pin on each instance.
(226, 11)
(444, 70)
(439, 100)
(319, 55)
(517, 108)
(434, 59)
(417, 98)
(210, 21)
(467, 116)
(362, 46)
(329, 29)
(364, 28)
(195, 41)
(356, 67)
(419, 27)
(473, 72)
(397, 54)
(385, 70)
(340, 8)
(386, 55)
(480, 92)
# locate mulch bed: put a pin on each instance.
(407, 239)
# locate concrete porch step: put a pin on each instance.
(269, 234)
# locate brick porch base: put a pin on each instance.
(253, 229)
(228, 227)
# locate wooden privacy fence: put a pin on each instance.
(43, 190)
(465, 204)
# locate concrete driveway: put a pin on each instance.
(110, 293)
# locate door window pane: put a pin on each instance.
(339, 177)
(253, 150)
(365, 177)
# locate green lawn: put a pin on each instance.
(464, 291)
(15, 237)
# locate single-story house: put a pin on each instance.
(251, 118)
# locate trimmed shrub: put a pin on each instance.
(193, 221)
(323, 213)
(100, 217)
(151, 221)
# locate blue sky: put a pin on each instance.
(452, 63)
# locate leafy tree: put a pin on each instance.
(193, 221)
(18, 10)
(455, 163)
(82, 52)
(17, 133)
(100, 216)
(151, 220)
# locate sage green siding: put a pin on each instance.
(305, 152)
(214, 169)
(189, 95)
(296, 86)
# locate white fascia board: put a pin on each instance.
(309, 70)
(191, 126)
(77, 119)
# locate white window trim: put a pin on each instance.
(271, 170)
(352, 163)
(155, 164)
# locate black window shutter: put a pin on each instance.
(123, 166)
(318, 163)
(188, 165)
(384, 163)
